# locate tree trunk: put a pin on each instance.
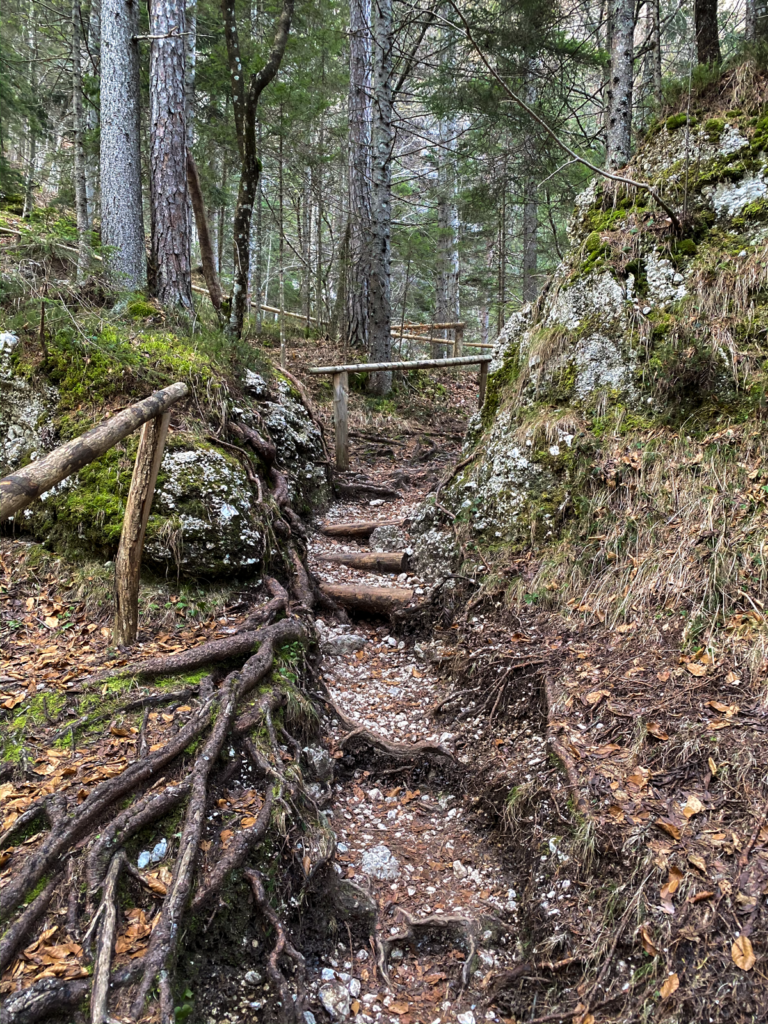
(190, 66)
(171, 265)
(383, 142)
(122, 223)
(619, 134)
(530, 205)
(355, 267)
(245, 105)
(707, 35)
(81, 195)
(203, 234)
(29, 181)
(750, 21)
(92, 114)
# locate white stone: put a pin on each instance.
(378, 862)
(335, 999)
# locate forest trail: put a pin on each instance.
(405, 827)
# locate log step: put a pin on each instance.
(371, 600)
(357, 531)
(369, 561)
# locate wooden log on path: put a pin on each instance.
(369, 561)
(371, 600)
(128, 558)
(357, 531)
(22, 487)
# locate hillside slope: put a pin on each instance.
(611, 509)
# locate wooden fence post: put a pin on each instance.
(340, 388)
(483, 384)
(458, 342)
(128, 559)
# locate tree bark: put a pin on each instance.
(356, 531)
(203, 234)
(370, 600)
(619, 128)
(92, 113)
(245, 106)
(369, 561)
(81, 194)
(122, 221)
(128, 559)
(383, 142)
(171, 279)
(22, 487)
(356, 264)
(530, 204)
(707, 34)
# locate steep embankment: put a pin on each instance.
(613, 500)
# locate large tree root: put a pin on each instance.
(49, 997)
(359, 734)
(292, 1009)
(466, 928)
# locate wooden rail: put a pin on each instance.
(341, 374)
(21, 488)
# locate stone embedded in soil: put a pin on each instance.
(335, 999)
(319, 764)
(338, 646)
(378, 862)
(387, 538)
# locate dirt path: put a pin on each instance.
(406, 834)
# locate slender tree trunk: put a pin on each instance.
(707, 34)
(760, 19)
(245, 104)
(122, 224)
(306, 247)
(447, 304)
(29, 178)
(356, 266)
(750, 26)
(257, 285)
(530, 204)
(171, 266)
(190, 67)
(656, 51)
(281, 243)
(92, 114)
(203, 234)
(78, 121)
(383, 140)
(619, 140)
(502, 290)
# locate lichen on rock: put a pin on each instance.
(25, 411)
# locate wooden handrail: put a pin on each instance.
(414, 364)
(25, 485)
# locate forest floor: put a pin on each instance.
(551, 820)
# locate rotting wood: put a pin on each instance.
(369, 561)
(371, 600)
(340, 420)
(128, 558)
(25, 485)
(357, 531)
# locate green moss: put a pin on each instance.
(677, 121)
(499, 382)
(593, 242)
(558, 389)
(140, 308)
(713, 128)
(685, 247)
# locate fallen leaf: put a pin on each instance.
(692, 806)
(51, 621)
(712, 766)
(698, 862)
(673, 881)
(696, 669)
(742, 953)
(118, 730)
(701, 896)
(596, 696)
(717, 705)
(669, 828)
(672, 984)
(306, 863)
(663, 676)
(656, 731)
(399, 1008)
(732, 678)
(247, 822)
(355, 1007)
(647, 941)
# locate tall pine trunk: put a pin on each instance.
(381, 218)
(619, 128)
(358, 236)
(530, 202)
(707, 34)
(78, 124)
(171, 280)
(122, 222)
(92, 113)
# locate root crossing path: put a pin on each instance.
(406, 833)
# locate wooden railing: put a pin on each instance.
(340, 376)
(21, 488)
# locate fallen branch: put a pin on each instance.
(105, 941)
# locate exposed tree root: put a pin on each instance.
(559, 749)
(466, 927)
(46, 998)
(358, 733)
(292, 1010)
(19, 931)
(107, 914)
